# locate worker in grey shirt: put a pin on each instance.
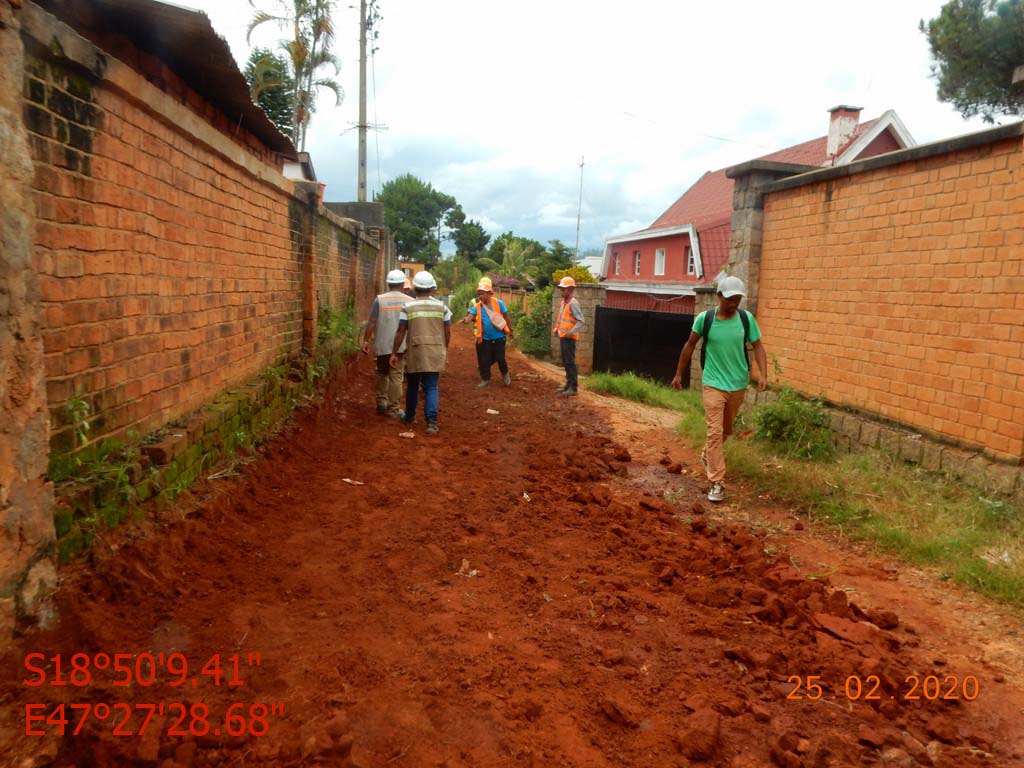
(567, 329)
(380, 329)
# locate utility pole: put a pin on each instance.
(579, 212)
(361, 193)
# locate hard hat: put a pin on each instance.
(484, 284)
(730, 286)
(424, 281)
(566, 282)
(395, 277)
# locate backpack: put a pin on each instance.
(709, 318)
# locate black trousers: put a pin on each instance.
(569, 361)
(487, 354)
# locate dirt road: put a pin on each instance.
(515, 591)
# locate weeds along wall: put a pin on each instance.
(174, 259)
(895, 286)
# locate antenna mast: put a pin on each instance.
(579, 212)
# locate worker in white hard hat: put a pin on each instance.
(426, 323)
(380, 329)
(491, 327)
(726, 331)
(567, 329)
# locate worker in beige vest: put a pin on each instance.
(426, 324)
(381, 329)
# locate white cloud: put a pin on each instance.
(495, 103)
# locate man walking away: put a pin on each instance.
(726, 372)
(427, 323)
(491, 327)
(567, 329)
(380, 329)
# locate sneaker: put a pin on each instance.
(396, 413)
(561, 390)
(483, 384)
(717, 492)
(407, 420)
(432, 428)
(506, 379)
(569, 392)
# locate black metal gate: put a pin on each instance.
(646, 343)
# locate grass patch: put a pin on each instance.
(922, 517)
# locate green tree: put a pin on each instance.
(308, 51)
(976, 45)
(557, 256)
(469, 236)
(414, 211)
(519, 259)
(454, 272)
(272, 87)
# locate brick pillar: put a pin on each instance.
(590, 296)
(27, 572)
(748, 219)
(309, 197)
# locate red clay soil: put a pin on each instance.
(510, 592)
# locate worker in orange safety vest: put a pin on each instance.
(567, 329)
(491, 327)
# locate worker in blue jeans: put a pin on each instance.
(426, 322)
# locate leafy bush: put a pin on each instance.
(796, 425)
(461, 297)
(334, 324)
(533, 329)
(576, 272)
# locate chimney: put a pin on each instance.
(841, 127)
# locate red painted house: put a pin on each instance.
(657, 269)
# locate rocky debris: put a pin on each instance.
(700, 735)
(618, 712)
(884, 619)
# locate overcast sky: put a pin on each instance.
(495, 102)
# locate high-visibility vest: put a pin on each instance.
(388, 306)
(426, 352)
(493, 309)
(566, 320)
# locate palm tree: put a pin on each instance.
(308, 50)
(518, 263)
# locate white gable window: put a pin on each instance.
(659, 261)
(618, 266)
(636, 262)
(691, 263)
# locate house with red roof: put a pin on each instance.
(658, 268)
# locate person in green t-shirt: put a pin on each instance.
(726, 372)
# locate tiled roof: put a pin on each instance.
(709, 201)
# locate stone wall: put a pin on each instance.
(27, 572)
(590, 296)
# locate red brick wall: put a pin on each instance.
(170, 256)
(900, 291)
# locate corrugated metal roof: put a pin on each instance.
(185, 40)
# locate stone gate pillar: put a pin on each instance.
(27, 573)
